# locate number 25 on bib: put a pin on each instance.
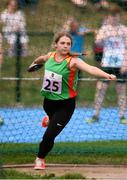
(52, 82)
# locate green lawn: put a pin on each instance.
(13, 174)
(101, 152)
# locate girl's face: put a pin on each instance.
(63, 45)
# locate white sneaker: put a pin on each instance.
(39, 164)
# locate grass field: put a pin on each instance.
(107, 152)
(92, 153)
(13, 174)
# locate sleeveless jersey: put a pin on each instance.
(59, 82)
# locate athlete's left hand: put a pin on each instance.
(111, 77)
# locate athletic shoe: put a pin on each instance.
(45, 121)
(92, 120)
(39, 164)
(123, 120)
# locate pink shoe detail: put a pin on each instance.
(39, 164)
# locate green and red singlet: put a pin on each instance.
(59, 82)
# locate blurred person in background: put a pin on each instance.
(78, 32)
(98, 47)
(113, 36)
(13, 21)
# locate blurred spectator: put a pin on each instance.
(113, 36)
(98, 48)
(78, 35)
(13, 21)
(80, 3)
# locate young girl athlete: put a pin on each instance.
(59, 89)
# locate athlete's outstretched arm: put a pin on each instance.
(78, 63)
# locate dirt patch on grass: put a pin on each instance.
(99, 172)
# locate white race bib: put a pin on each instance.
(52, 82)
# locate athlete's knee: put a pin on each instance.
(48, 138)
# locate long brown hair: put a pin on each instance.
(61, 34)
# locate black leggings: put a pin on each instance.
(59, 112)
